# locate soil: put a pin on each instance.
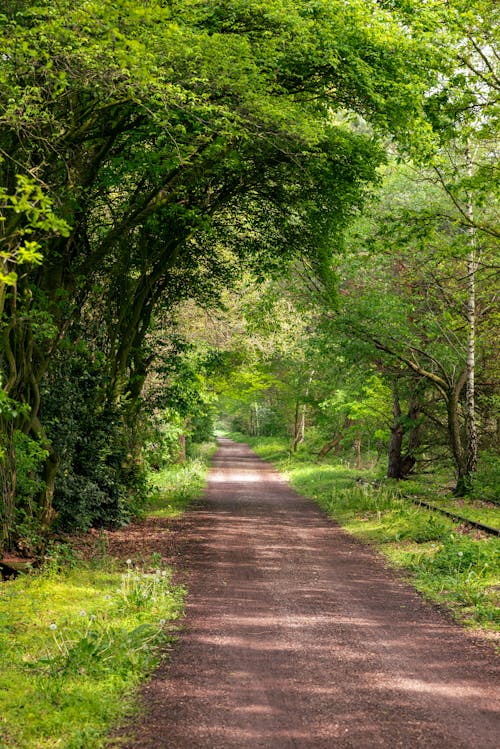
(298, 635)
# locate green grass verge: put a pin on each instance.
(77, 638)
(457, 569)
(72, 648)
(177, 486)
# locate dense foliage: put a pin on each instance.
(152, 154)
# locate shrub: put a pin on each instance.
(486, 482)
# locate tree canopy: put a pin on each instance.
(156, 152)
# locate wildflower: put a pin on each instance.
(158, 573)
(107, 598)
(129, 562)
(162, 622)
(83, 613)
(460, 553)
(52, 626)
(164, 573)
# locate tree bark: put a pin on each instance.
(459, 455)
(357, 447)
(400, 463)
(396, 441)
(8, 483)
(298, 426)
(300, 417)
(470, 415)
(182, 448)
(335, 441)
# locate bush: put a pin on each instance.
(30, 458)
(100, 482)
(486, 482)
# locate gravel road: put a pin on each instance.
(297, 635)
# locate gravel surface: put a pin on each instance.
(297, 635)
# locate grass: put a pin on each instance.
(471, 509)
(77, 638)
(176, 486)
(457, 569)
(72, 648)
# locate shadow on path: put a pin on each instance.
(298, 636)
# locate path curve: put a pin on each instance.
(298, 636)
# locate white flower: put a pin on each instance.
(162, 622)
(460, 553)
(83, 613)
(52, 626)
(129, 561)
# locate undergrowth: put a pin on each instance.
(76, 638)
(176, 485)
(72, 648)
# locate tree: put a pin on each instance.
(416, 250)
(173, 138)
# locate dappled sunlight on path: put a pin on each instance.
(298, 636)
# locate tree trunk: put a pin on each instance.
(182, 448)
(256, 420)
(45, 507)
(408, 460)
(357, 447)
(329, 446)
(401, 465)
(300, 417)
(459, 455)
(299, 425)
(8, 484)
(396, 441)
(470, 416)
(335, 441)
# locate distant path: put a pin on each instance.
(298, 636)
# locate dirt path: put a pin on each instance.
(297, 636)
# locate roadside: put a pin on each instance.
(453, 564)
(297, 635)
(79, 635)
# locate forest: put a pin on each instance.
(273, 218)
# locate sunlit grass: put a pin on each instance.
(471, 509)
(178, 485)
(72, 649)
(76, 639)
